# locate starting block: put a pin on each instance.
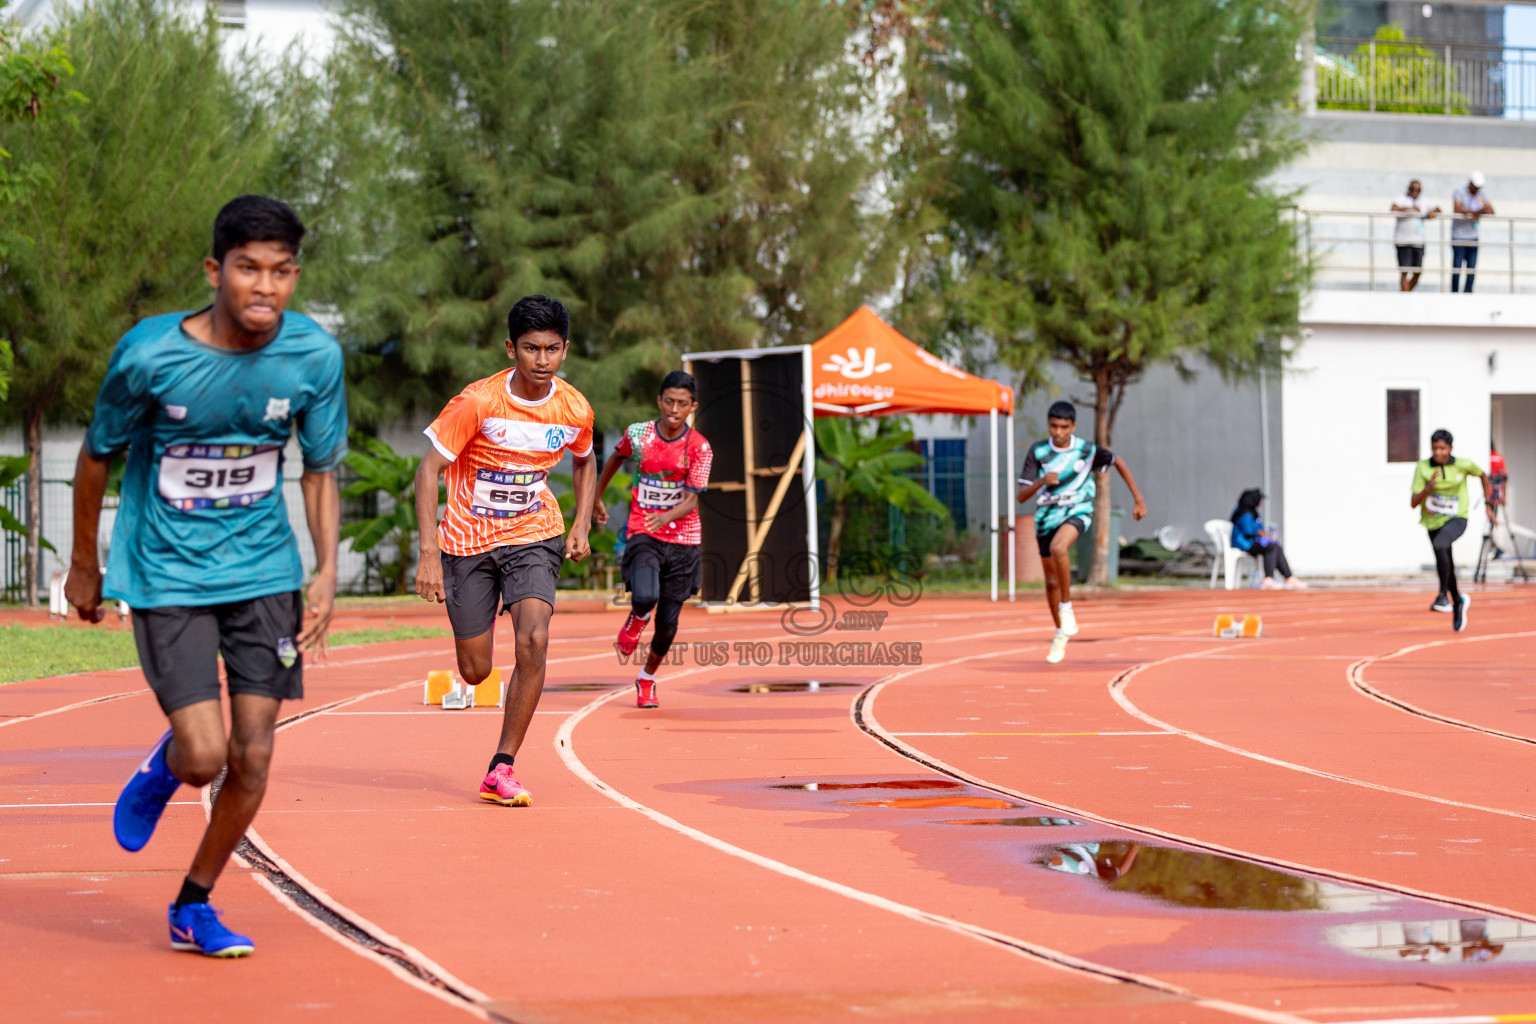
(1232, 627)
(492, 693)
(438, 685)
(451, 694)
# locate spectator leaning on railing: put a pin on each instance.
(1472, 204)
(1409, 235)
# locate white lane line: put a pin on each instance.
(71, 707)
(564, 746)
(173, 803)
(1118, 685)
(878, 734)
(1356, 676)
(1153, 732)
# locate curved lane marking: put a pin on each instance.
(1356, 676)
(1118, 685)
(862, 712)
(1021, 947)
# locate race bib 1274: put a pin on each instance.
(197, 476)
(656, 493)
(503, 493)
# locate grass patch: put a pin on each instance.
(384, 634)
(36, 652)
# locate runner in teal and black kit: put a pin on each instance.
(204, 403)
(1064, 467)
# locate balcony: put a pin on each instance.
(1354, 251)
(1406, 76)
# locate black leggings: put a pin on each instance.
(1273, 556)
(1441, 538)
(644, 595)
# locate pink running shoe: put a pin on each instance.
(629, 634)
(501, 787)
(645, 693)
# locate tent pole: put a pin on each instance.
(1013, 506)
(992, 487)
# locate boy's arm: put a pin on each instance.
(1139, 511)
(322, 509)
(82, 588)
(1419, 494)
(610, 467)
(429, 565)
(584, 479)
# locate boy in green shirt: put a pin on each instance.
(1440, 495)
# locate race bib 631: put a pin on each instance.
(503, 493)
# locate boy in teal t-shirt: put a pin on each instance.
(1440, 495)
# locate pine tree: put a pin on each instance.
(1110, 195)
(118, 219)
(684, 175)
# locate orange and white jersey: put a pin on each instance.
(501, 449)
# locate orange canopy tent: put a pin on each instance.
(865, 367)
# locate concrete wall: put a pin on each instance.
(1347, 507)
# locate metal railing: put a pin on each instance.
(1426, 78)
(1354, 251)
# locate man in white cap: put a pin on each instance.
(1471, 205)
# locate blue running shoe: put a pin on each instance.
(196, 928)
(143, 800)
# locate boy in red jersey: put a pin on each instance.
(661, 564)
(500, 543)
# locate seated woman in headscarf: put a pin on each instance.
(1251, 535)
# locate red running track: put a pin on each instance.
(1332, 823)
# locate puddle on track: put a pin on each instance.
(1022, 822)
(1156, 907)
(792, 686)
(813, 787)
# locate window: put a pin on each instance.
(1402, 426)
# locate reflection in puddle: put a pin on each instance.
(1464, 941)
(1018, 822)
(813, 787)
(789, 686)
(919, 802)
(1187, 878)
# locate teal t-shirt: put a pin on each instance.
(1071, 497)
(202, 520)
(1448, 500)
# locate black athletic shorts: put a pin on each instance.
(678, 566)
(1044, 539)
(477, 585)
(179, 649)
(1410, 257)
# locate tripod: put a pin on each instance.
(1490, 551)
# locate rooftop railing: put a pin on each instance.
(1404, 76)
(1357, 251)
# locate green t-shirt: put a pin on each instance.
(1449, 498)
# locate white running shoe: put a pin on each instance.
(1058, 649)
(1068, 622)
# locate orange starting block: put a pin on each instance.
(451, 694)
(1233, 627)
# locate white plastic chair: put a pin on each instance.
(1227, 558)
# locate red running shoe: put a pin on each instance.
(645, 693)
(629, 634)
(501, 787)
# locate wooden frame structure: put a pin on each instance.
(800, 463)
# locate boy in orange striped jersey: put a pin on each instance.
(501, 542)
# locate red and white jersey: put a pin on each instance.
(501, 449)
(667, 471)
